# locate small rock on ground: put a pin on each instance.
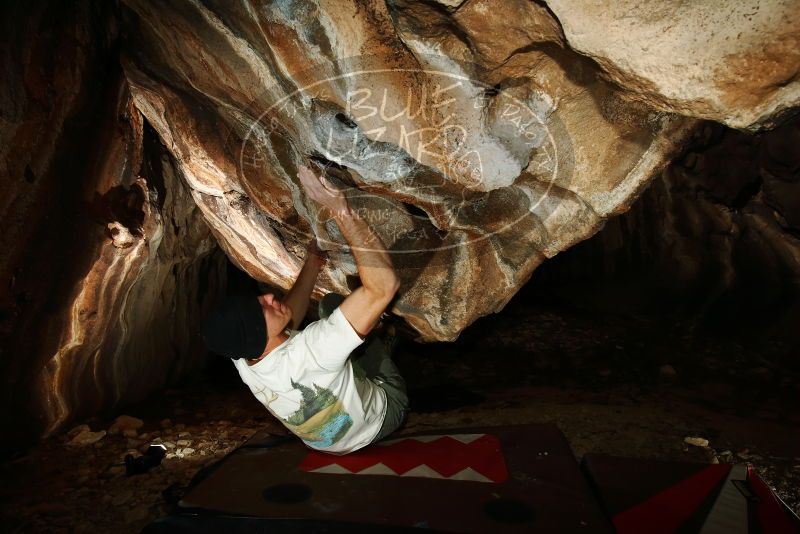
(695, 441)
(125, 423)
(87, 437)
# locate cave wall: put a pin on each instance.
(714, 242)
(107, 261)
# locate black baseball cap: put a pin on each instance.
(236, 328)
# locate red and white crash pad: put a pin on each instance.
(503, 479)
(473, 457)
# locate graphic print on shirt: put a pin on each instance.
(321, 420)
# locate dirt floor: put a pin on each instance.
(621, 385)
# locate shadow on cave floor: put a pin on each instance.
(623, 385)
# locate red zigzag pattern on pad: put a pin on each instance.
(446, 455)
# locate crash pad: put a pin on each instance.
(491, 479)
(652, 496)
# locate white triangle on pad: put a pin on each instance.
(334, 469)
(378, 469)
(422, 471)
(466, 438)
(469, 474)
(463, 438)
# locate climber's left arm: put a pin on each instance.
(299, 296)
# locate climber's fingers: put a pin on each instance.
(311, 183)
(319, 188)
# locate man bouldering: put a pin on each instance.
(332, 384)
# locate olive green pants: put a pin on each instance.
(374, 359)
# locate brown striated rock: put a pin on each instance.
(104, 249)
(476, 143)
(732, 61)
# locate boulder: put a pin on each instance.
(475, 142)
(733, 61)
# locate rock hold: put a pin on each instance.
(121, 237)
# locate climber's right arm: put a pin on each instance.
(379, 283)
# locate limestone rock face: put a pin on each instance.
(733, 61)
(471, 137)
(107, 261)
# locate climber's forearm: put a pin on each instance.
(363, 307)
(299, 295)
(374, 265)
(378, 280)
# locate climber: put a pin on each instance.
(333, 384)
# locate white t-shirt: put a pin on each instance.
(308, 383)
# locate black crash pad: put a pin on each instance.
(498, 479)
